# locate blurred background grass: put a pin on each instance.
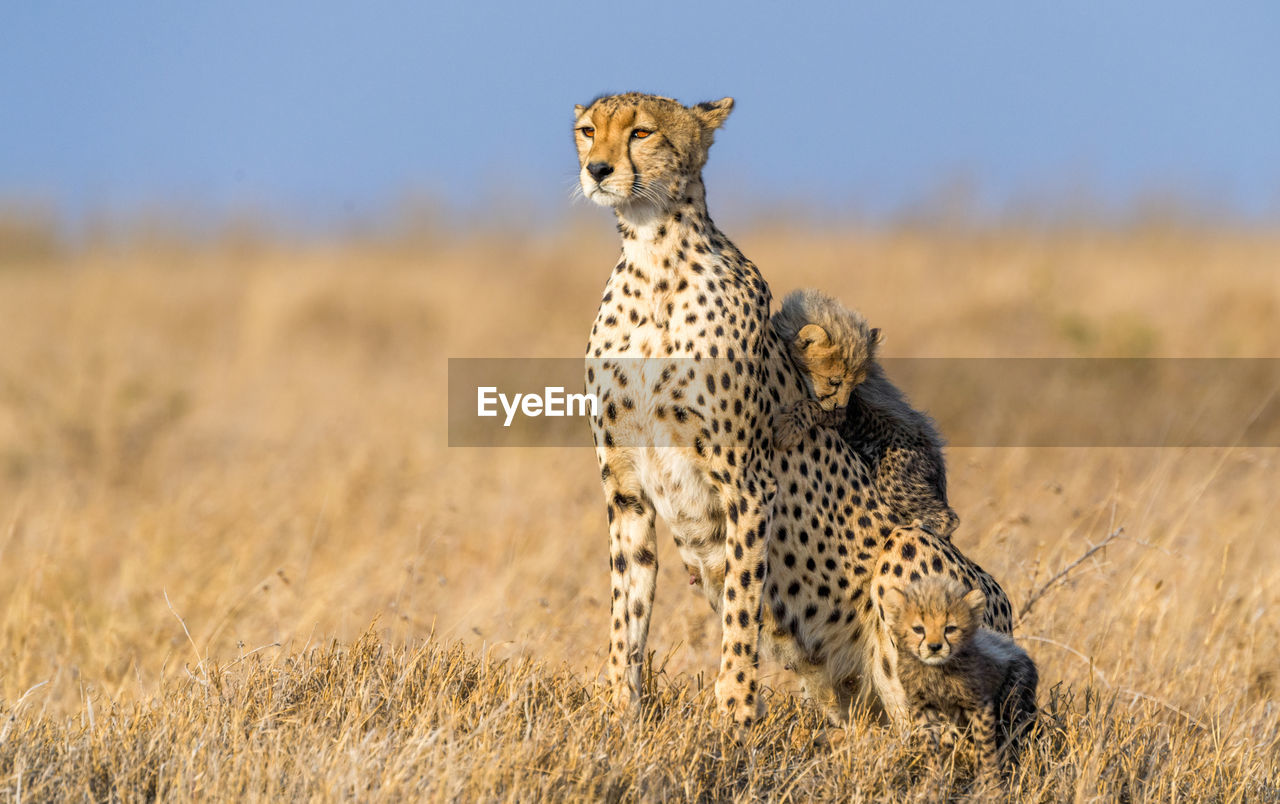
(257, 426)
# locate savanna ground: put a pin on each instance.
(238, 559)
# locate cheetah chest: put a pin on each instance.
(665, 362)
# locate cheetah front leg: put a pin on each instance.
(884, 676)
(749, 507)
(633, 571)
(941, 735)
(931, 723)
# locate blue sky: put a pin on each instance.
(323, 110)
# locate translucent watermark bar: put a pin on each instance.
(976, 402)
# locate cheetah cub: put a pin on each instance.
(956, 673)
(835, 349)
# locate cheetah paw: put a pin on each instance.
(788, 431)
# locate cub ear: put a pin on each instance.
(877, 337)
(977, 603)
(578, 109)
(812, 335)
(714, 113)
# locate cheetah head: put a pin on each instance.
(834, 346)
(832, 368)
(933, 617)
(639, 150)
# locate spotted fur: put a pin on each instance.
(956, 673)
(689, 372)
(836, 349)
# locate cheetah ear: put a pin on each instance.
(812, 335)
(877, 337)
(578, 109)
(714, 113)
(977, 603)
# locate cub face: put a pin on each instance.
(636, 149)
(933, 617)
(831, 369)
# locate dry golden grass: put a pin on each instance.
(219, 465)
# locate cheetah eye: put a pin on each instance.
(919, 629)
(951, 629)
(641, 133)
(588, 131)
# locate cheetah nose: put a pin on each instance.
(934, 647)
(599, 170)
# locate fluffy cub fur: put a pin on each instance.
(836, 351)
(832, 345)
(955, 673)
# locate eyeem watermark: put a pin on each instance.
(976, 402)
(553, 402)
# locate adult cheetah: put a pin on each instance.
(688, 373)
